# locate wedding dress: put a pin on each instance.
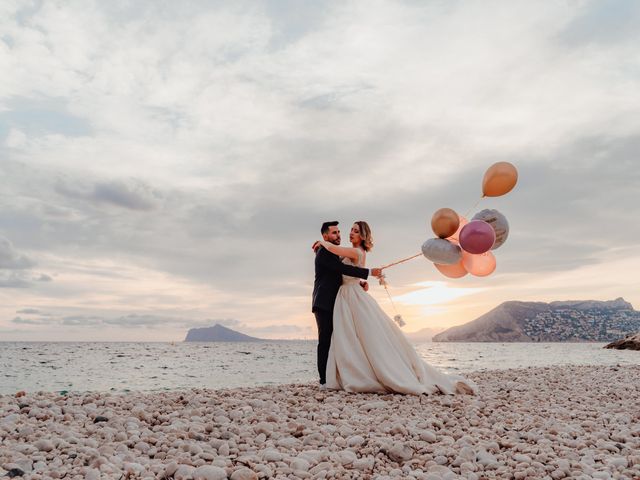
(369, 352)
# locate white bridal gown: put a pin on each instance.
(369, 352)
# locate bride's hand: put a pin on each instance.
(316, 245)
(376, 272)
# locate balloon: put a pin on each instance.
(445, 222)
(441, 251)
(456, 270)
(499, 179)
(476, 237)
(456, 236)
(479, 265)
(498, 222)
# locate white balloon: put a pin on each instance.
(441, 251)
(498, 222)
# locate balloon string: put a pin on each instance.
(401, 261)
(386, 289)
(466, 215)
(418, 254)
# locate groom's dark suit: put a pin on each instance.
(329, 271)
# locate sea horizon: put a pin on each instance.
(168, 366)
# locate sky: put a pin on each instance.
(167, 165)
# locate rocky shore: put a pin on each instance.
(560, 422)
(630, 342)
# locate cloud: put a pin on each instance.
(131, 194)
(227, 322)
(132, 321)
(29, 311)
(15, 138)
(141, 320)
(199, 145)
(9, 279)
(605, 22)
(274, 330)
(11, 259)
(33, 321)
(15, 267)
(81, 320)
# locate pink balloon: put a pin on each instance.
(456, 236)
(456, 270)
(479, 265)
(477, 237)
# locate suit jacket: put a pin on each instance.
(329, 271)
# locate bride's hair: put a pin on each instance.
(365, 235)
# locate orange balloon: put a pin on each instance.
(499, 179)
(445, 222)
(456, 270)
(456, 236)
(479, 265)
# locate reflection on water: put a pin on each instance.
(123, 367)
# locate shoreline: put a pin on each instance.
(536, 422)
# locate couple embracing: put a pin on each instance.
(360, 349)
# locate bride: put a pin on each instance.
(369, 352)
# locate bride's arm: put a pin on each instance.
(351, 253)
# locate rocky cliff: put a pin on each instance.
(567, 321)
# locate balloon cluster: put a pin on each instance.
(464, 246)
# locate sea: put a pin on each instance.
(154, 367)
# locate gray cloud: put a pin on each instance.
(81, 320)
(11, 259)
(33, 321)
(131, 194)
(29, 311)
(10, 279)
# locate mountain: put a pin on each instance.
(218, 333)
(567, 321)
(424, 335)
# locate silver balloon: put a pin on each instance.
(441, 251)
(498, 222)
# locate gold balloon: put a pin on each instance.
(445, 222)
(499, 179)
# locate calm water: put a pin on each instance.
(121, 367)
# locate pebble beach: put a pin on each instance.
(556, 422)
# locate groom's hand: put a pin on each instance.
(376, 272)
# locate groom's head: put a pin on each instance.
(331, 232)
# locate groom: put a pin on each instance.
(329, 271)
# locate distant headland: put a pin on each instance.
(567, 321)
(218, 333)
